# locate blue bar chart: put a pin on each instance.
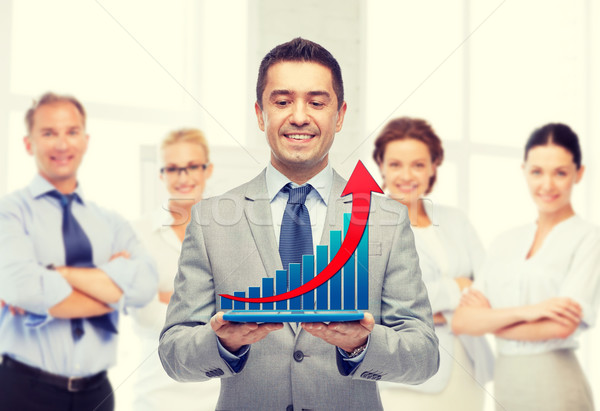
(346, 290)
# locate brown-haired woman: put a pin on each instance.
(408, 153)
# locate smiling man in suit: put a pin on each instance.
(238, 238)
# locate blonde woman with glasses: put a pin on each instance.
(185, 168)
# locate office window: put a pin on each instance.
(139, 68)
(527, 68)
(84, 48)
(485, 74)
(406, 44)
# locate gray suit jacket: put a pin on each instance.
(230, 245)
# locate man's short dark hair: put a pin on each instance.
(300, 49)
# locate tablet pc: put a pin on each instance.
(283, 316)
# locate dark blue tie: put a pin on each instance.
(78, 253)
(295, 239)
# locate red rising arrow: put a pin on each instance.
(360, 185)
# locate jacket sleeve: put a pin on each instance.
(188, 346)
(403, 346)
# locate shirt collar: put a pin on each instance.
(322, 182)
(40, 186)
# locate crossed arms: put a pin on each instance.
(92, 291)
(128, 278)
(553, 318)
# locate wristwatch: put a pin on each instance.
(357, 351)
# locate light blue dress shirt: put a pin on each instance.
(316, 203)
(30, 240)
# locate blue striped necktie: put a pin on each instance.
(78, 253)
(295, 239)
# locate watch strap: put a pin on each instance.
(357, 351)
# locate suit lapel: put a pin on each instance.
(257, 208)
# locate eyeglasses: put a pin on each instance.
(175, 171)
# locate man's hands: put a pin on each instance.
(65, 270)
(235, 335)
(345, 335)
(94, 282)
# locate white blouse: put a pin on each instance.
(447, 249)
(154, 389)
(566, 265)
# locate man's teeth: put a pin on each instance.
(299, 136)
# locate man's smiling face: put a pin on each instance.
(58, 142)
(299, 116)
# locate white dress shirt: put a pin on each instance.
(316, 200)
(450, 248)
(154, 390)
(566, 265)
